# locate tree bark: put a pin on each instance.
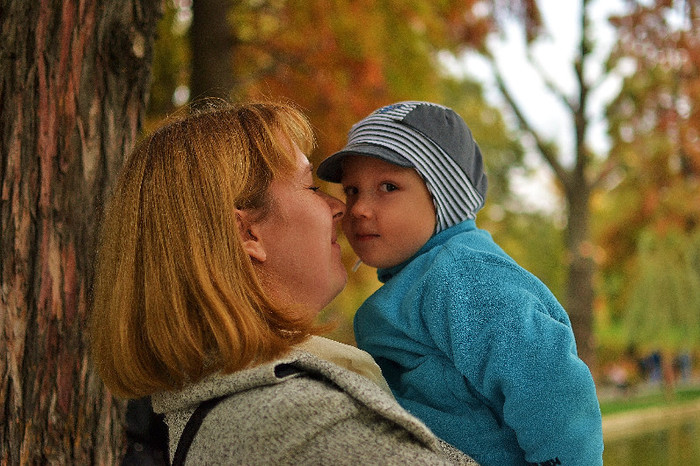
(73, 87)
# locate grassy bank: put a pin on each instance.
(648, 399)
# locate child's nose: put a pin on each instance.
(360, 207)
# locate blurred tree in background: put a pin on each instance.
(212, 39)
(651, 207)
(578, 170)
(662, 313)
(665, 293)
(171, 63)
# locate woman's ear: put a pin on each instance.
(247, 229)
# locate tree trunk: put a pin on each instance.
(579, 293)
(73, 86)
(212, 43)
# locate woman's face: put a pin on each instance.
(299, 257)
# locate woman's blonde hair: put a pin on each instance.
(175, 296)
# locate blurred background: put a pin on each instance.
(588, 116)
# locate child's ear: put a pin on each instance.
(252, 244)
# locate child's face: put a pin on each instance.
(390, 212)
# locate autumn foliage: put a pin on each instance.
(655, 129)
(341, 60)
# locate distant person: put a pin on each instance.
(469, 341)
(216, 254)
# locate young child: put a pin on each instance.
(469, 341)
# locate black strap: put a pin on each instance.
(191, 428)
(195, 421)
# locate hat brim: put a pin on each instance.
(331, 169)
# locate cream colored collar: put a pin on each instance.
(346, 356)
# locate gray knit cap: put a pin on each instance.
(431, 138)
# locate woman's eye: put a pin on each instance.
(349, 190)
(388, 187)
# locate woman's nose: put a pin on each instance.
(337, 206)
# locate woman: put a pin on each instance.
(217, 253)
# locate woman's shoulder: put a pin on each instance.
(316, 408)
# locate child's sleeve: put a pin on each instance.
(510, 338)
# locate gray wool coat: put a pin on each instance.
(323, 414)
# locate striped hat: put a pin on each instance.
(431, 138)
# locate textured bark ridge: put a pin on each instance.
(73, 86)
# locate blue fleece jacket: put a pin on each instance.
(483, 353)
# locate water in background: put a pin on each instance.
(678, 444)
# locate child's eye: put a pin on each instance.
(388, 187)
(314, 188)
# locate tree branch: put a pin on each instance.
(549, 84)
(605, 171)
(583, 157)
(545, 149)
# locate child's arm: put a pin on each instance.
(513, 342)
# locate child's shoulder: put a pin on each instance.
(478, 261)
(473, 248)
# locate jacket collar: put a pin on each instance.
(436, 240)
